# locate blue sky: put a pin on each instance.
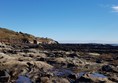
(63, 20)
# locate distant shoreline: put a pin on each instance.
(113, 44)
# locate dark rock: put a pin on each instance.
(62, 72)
(69, 65)
(72, 76)
(84, 80)
(51, 55)
(51, 62)
(26, 50)
(73, 55)
(99, 61)
(12, 52)
(107, 68)
(4, 77)
(93, 78)
(41, 59)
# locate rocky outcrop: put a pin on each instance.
(27, 63)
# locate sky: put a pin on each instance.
(66, 21)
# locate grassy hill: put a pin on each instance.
(6, 34)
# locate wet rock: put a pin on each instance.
(55, 66)
(12, 51)
(41, 59)
(99, 61)
(69, 65)
(51, 62)
(73, 76)
(73, 55)
(4, 77)
(51, 55)
(26, 50)
(23, 79)
(62, 72)
(107, 68)
(94, 78)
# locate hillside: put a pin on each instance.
(9, 36)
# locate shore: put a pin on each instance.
(58, 63)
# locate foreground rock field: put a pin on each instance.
(30, 63)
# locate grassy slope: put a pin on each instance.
(9, 34)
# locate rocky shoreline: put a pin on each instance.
(58, 63)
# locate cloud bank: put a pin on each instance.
(115, 8)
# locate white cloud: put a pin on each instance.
(115, 8)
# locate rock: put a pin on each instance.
(35, 55)
(24, 59)
(107, 68)
(4, 77)
(59, 80)
(52, 62)
(74, 62)
(73, 55)
(40, 64)
(2, 45)
(51, 55)
(94, 54)
(33, 51)
(114, 78)
(56, 65)
(72, 76)
(12, 63)
(12, 51)
(18, 71)
(40, 59)
(42, 55)
(60, 60)
(63, 80)
(93, 77)
(69, 65)
(23, 79)
(52, 80)
(45, 80)
(61, 72)
(99, 61)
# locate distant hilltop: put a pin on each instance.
(8, 36)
